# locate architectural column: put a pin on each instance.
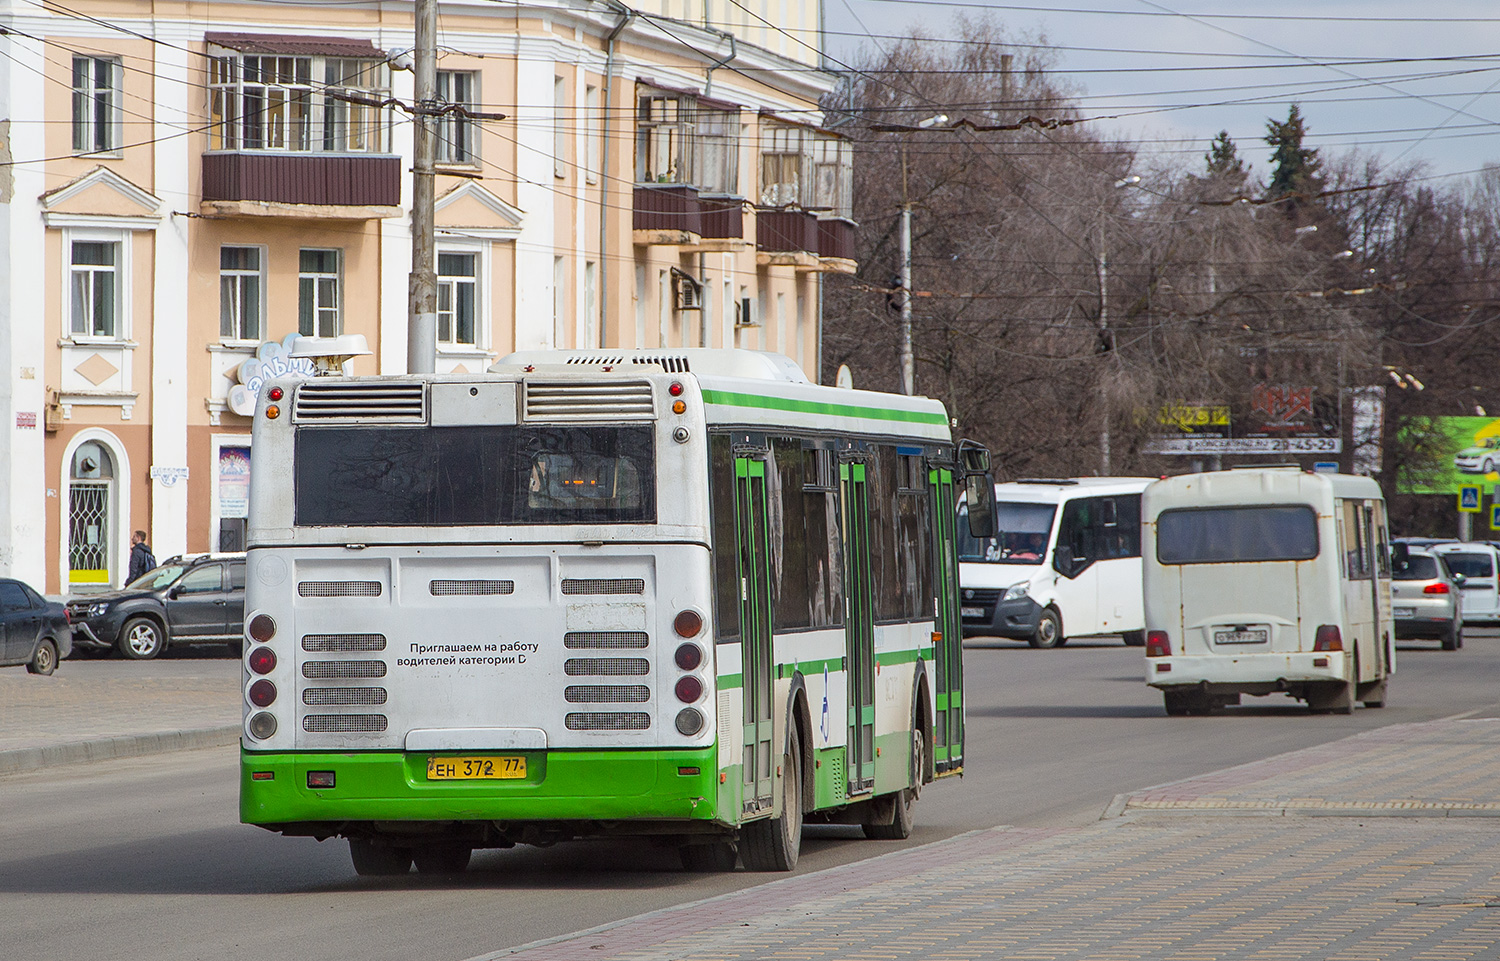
(395, 242)
(535, 277)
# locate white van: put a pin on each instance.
(1265, 580)
(1065, 563)
(1479, 594)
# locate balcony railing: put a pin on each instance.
(723, 218)
(667, 207)
(338, 180)
(836, 238)
(783, 231)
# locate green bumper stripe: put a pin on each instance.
(733, 399)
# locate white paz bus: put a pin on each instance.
(1267, 580)
(686, 595)
(1065, 562)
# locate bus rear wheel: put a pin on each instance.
(903, 801)
(772, 844)
(378, 860)
(708, 858)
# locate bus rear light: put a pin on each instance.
(262, 693)
(675, 390)
(678, 407)
(687, 772)
(689, 657)
(689, 721)
(262, 660)
(321, 779)
(262, 725)
(688, 689)
(688, 624)
(262, 775)
(1328, 638)
(272, 412)
(275, 393)
(1157, 644)
(262, 628)
(1438, 588)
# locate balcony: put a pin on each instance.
(325, 186)
(667, 214)
(836, 245)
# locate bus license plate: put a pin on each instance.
(971, 611)
(475, 768)
(1260, 636)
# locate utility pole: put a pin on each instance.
(1103, 262)
(908, 363)
(421, 331)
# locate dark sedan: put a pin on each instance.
(33, 630)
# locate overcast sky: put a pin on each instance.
(1440, 105)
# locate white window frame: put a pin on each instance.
(457, 134)
(237, 337)
(326, 124)
(319, 308)
(122, 273)
(87, 126)
(478, 281)
(664, 137)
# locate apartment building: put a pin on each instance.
(185, 188)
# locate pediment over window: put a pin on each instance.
(471, 209)
(100, 193)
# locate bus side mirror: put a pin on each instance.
(973, 457)
(979, 496)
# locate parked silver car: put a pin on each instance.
(1425, 599)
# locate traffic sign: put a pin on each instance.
(1495, 517)
(1468, 498)
(1326, 467)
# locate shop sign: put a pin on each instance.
(271, 360)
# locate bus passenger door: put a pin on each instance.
(859, 628)
(754, 543)
(948, 709)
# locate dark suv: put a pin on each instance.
(187, 600)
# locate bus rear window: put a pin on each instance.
(474, 476)
(1221, 535)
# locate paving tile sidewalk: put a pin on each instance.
(1217, 867)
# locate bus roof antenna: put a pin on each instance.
(330, 354)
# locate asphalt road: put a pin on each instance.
(145, 858)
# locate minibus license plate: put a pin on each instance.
(1259, 636)
(475, 768)
(1404, 612)
(971, 611)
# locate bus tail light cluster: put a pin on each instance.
(261, 660)
(689, 657)
(1157, 644)
(1328, 638)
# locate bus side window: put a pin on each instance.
(725, 552)
(1356, 541)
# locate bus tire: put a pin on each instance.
(378, 860)
(1134, 638)
(903, 801)
(442, 859)
(772, 844)
(715, 856)
(1048, 630)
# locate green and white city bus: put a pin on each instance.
(686, 595)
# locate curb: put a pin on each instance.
(103, 749)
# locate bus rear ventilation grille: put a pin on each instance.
(339, 588)
(606, 666)
(470, 588)
(342, 643)
(627, 721)
(344, 723)
(605, 640)
(607, 401)
(330, 696)
(603, 585)
(316, 670)
(383, 402)
(672, 365)
(607, 694)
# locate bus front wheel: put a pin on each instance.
(772, 844)
(1048, 629)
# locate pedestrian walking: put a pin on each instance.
(141, 558)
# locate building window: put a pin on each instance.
(592, 120)
(457, 295)
(318, 294)
(95, 274)
(241, 282)
(717, 150)
(457, 142)
(561, 126)
(96, 104)
(781, 158)
(297, 103)
(664, 130)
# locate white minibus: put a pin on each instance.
(1065, 563)
(1479, 563)
(1267, 580)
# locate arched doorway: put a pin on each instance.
(92, 512)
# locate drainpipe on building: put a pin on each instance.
(626, 15)
(708, 91)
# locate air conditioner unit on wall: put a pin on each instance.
(689, 293)
(744, 314)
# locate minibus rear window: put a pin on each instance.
(1470, 565)
(1223, 535)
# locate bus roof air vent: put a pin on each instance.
(672, 365)
(1052, 481)
(597, 360)
(373, 400)
(604, 400)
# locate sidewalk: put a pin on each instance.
(1403, 863)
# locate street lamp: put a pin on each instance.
(1102, 263)
(908, 362)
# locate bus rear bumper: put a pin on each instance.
(1246, 673)
(559, 786)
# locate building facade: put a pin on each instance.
(186, 188)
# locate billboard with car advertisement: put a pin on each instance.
(1446, 453)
